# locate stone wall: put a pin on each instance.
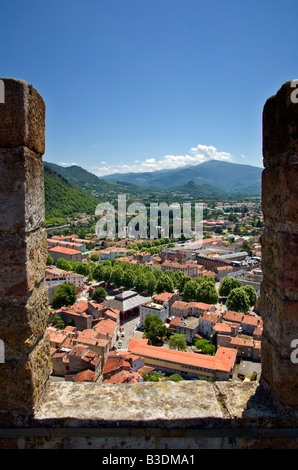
(279, 288)
(23, 293)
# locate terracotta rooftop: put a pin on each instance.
(222, 361)
(67, 251)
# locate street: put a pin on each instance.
(130, 332)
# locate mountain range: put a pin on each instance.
(229, 177)
(71, 190)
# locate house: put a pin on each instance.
(69, 363)
(142, 256)
(112, 253)
(107, 329)
(172, 325)
(179, 308)
(152, 308)
(72, 315)
(98, 345)
(190, 268)
(83, 314)
(166, 299)
(172, 254)
(95, 327)
(247, 324)
(124, 377)
(207, 322)
(55, 277)
(223, 271)
(246, 348)
(119, 361)
(67, 253)
(189, 327)
(222, 328)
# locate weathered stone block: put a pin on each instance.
(279, 318)
(22, 120)
(280, 262)
(21, 191)
(23, 380)
(279, 374)
(23, 321)
(23, 262)
(279, 198)
(280, 128)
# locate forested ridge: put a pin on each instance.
(64, 199)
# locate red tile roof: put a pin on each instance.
(222, 361)
(67, 251)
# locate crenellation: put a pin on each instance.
(22, 117)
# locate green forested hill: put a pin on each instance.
(104, 190)
(64, 199)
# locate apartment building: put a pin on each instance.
(189, 327)
(207, 322)
(152, 308)
(179, 308)
(190, 268)
(67, 253)
(188, 365)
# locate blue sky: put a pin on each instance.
(134, 85)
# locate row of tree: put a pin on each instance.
(145, 279)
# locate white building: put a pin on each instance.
(152, 308)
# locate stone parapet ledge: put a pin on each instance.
(188, 414)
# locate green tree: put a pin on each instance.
(50, 260)
(209, 349)
(246, 247)
(189, 293)
(82, 268)
(98, 272)
(174, 378)
(164, 284)
(180, 280)
(106, 272)
(99, 294)
(227, 285)
(201, 343)
(128, 280)
(150, 283)
(238, 300)
(116, 276)
(205, 347)
(155, 377)
(63, 264)
(65, 294)
(58, 322)
(252, 295)
(177, 341)
(95, 257)
(207, 293)
(141, 282)
(154, 329)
